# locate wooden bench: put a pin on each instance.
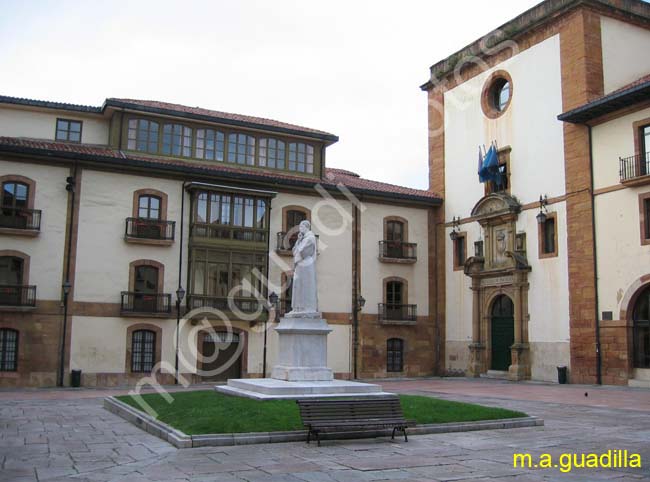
(360, 413)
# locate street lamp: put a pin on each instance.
(273, 303)
(543, 202)
(180, 294)
(455, 223)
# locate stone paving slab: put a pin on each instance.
(77, 440)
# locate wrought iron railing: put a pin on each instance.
(285, 241)
(150, 303)
(392, 312)
(17, 295)
(397, 250)
(634, 166)
(19, 218)
(143, 228)
(220, 231)
(245, 305)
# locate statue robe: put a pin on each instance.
(304, 294)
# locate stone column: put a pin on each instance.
(476, 347)
(520, 369)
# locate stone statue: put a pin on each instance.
(304, 290)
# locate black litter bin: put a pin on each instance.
(561, 375)
(75, 378)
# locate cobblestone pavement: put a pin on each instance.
(57, 438)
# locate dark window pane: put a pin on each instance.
(11, 270)
(8, 350)
(143, 349)
(646, 204)
(549, 236)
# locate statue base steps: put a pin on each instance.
(272, 389)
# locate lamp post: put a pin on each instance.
(180, 294)
(273, 303)
(358, 306)
(66, 291)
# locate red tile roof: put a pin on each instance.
(332, 177)
(199, 111)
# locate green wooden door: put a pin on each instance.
(503, 332)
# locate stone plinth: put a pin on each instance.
(302, 350)
(302, 370)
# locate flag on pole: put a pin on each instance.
(489, 170)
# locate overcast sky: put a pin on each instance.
(352, 68)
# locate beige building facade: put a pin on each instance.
(110, 213)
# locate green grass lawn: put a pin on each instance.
(207, 412)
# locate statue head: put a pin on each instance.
(304, 227)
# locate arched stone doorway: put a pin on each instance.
(502, 332)
(641, 329)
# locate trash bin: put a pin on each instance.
(75, 378)
(561, 374)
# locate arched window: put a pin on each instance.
(8, 350)
(11, 280)
(143, 351)
(641, 319)
(395, 355)
(149, 207)
(293, 219)
(15, 196)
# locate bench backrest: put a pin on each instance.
(320, 411)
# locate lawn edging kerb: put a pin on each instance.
(183, 441)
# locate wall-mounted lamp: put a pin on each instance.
(543, 202)
(455, 227)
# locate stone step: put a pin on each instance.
(495, 374)
(238, 392)
(271, 386)
(642, 374)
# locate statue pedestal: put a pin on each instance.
(302, 370)
(302, 354)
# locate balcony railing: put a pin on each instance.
(634, 167)
(391, 312)
(148, 303)
(398, 250)
(286, 241)
(19, 218)
(142, 228)
(245, 305)
(225, 232)
(17, 295)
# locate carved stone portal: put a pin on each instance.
(503, 270)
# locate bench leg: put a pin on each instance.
(308, 435)
(392, 437)
(318, 438)
(406, 438)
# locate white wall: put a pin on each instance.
(103, 256)
(622, 259)
(47, 249)
(19, 122)
(531, 128)
(612, 140)
(334, 266)
(625, 53)
(373, 271)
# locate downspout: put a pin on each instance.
(599, 361)
(180, 274)
(66, 284)
(355, 288)
(268, 253)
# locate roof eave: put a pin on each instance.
(199, 171)
(607, 104)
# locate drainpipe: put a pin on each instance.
(180, 286)
(355, 288)
(70, 187)
(268, 253)
(599, 361)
